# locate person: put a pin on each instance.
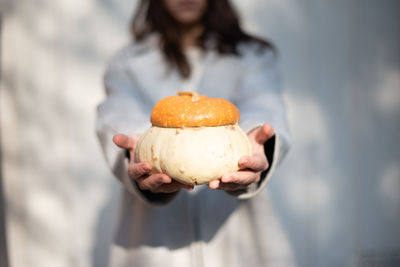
(194, 45)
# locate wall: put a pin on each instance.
(337, 193)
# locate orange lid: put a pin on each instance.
(189, 109)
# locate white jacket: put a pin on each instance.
(204, 227)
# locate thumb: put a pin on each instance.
(124, 141)
(264, 133)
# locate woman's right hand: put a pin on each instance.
(140, 171)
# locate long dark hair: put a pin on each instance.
(220, 20)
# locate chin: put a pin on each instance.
(188, 18)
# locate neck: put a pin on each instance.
(191, 34)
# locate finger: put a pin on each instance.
(168, 188)
(241, 177)
(173, 187)
(137, 170)
(232, 186)
(124, 141)
(214, 184)
(153, 182)
(256, 163)
(185, 186)
(264, 133)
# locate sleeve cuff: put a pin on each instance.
(119, 162)
(154, 199)
(272, 149)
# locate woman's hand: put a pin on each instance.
(140, 172)
(250, 167)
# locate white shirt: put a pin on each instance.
(196, 60)
(209, 228)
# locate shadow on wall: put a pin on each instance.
(56, 51)
(339, 186)
(3, 236)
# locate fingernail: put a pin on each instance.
(214, 185)
(244, 161)
(146, 168)
(187, 187)
(226, 179)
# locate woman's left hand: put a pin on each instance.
(250, 167)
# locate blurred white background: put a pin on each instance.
(337, 194)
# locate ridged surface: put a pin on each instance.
(187, 110)
(193, 155)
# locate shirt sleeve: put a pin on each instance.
(260, 101)
(123, 112)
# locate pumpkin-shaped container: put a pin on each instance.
(194, 139)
